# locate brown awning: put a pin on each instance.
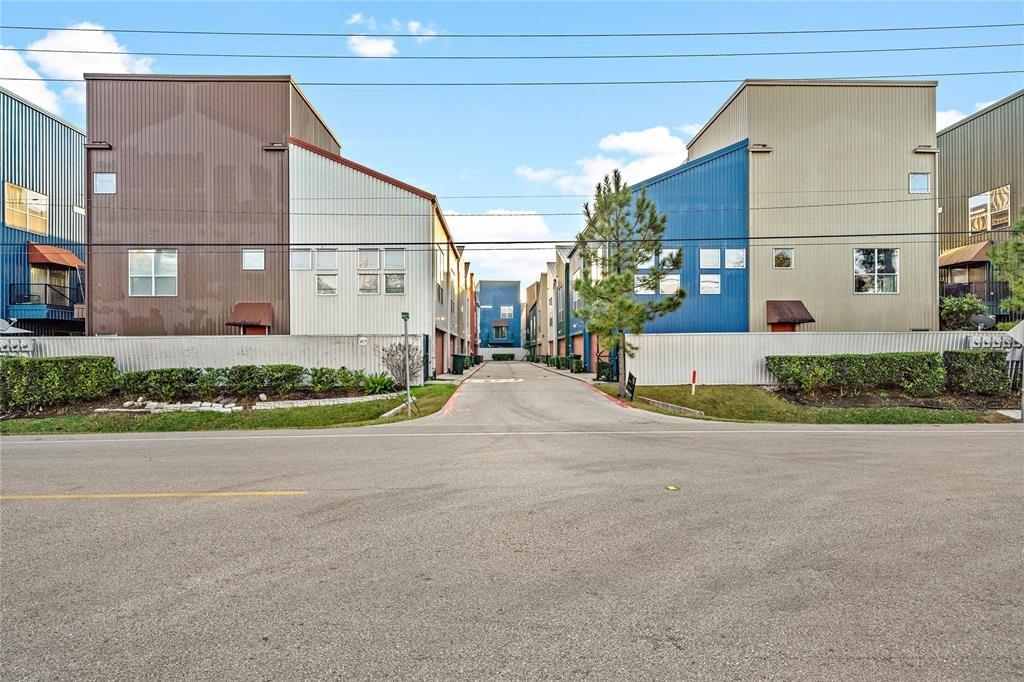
(501, 323)
(251, 315)
(969, 253)
(44, 254)
(787, 312)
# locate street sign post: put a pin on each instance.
(408, 390)
(1017, 334)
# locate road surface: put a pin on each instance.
(529, 532)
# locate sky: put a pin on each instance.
(526, 151)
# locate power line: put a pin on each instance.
(659, 34)
(692, 81)
(237, 55)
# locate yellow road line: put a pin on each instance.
(140, 496)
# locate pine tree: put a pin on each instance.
(621, 234)
(1008, 258)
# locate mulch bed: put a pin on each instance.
(943, 401)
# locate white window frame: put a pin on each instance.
(316, 283)
(333, 253)
(673, 279)
(669, 253)
(309, 259)
(511, 312)
(792, 257)
(262, 255)
(718, 258)
(710, 278)
(96, 176)
(359, 258)
(742, 265)
(152, 276)
(639, 289)
(391, 268)
(910, 182)
(875, 274)
(393, 293)
(359, 283)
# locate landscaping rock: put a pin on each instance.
(263, 397)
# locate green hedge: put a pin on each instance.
(920, 374)
(605, 371)
(976, 371)
(577, 366)
(500, 357)
(32, 383)
(562, 362)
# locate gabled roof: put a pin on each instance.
(44, 112)
(982, 112)
(363, 169)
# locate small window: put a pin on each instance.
(394, 283)
(394, 259)
(876, 271)
(710, 259)
(647, 264)
(369, 283)
(253, 259)
(668, 254)
(326, 259)
(301, 259)
(920, 183)
(104, 183)
(152, 272)
(326, 285)
(506, 312)
(500, 333)
(368, 259)
(640, 287)
(669, 284)
(783, 258)
(710, 284)
(735, 259)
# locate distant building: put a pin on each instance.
(42, 260)
(981, 183)
(500, 314)
(778, 210)
(538, 325)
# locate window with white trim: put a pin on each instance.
(735, 259)
(783, 258)
(640, 286)
(26, 210)
(394, 282)
(876, 271)
(669, 284)
(710, 259)
(253, 259)
(711, 285)
(368, 259)
(668, 254)
(301, 259)
(326, 259)
(152, 272)
(506, 312)
(394, 259)
(369, 283)
(104, 183)
(326, 284)
(920, 183)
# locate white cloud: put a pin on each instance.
(492, 261)
(978, 106)
(74, 64)
(366, 46)
(417, 28)
(655, 150)
(944, 119)
(359, 19)
(13, 66)
(689, 129)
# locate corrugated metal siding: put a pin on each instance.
(307, 126)
(45, 155)
(496, 294)
(668, 359)
(330, 189)
(729, 127)
(706, 201)
(190, 169)
(981, 154)
(840, 163)
(153, 352)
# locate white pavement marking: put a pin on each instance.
(925, 430)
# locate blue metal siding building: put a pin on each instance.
(42, 154)
(498, 330)
(706, 200)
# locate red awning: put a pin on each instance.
(501, 323)
(44, 254)
(969, 253)
(251, 315)
(787, 312)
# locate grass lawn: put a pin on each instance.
(429, 399)
(752, 404)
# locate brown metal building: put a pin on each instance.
(187, 191)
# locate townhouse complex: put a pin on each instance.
(42, 259)
(222, 204)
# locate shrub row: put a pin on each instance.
(919, 374)
(499, 357)
(534, 357)
(577, 366)
(32, 383)
(605, 371)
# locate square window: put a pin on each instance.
(647, 264)
(394, 259)
(669, 254)
(876, 271)
(507, 312)
(710, 284)
(920, 183)
(640, 287)
(301, 259)
(783, 258)
(368, 259)
(253, 259)
(369, 283)
(326, 259)
(326, 285)
(710, 259)
(104, 183)
(735, 259)
(152, 272)
(669, 284)
(394, 283)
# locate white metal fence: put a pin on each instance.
(153, 352)
(667, 359)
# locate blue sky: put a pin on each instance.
(519, 141)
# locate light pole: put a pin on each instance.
(408, 390)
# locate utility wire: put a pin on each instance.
(659, 34)
(237, 55)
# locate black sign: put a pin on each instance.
(630, 386)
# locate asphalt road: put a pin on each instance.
(528, 533)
